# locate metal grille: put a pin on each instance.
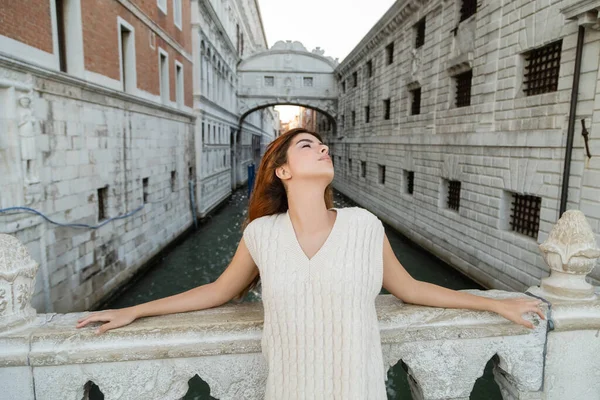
(386, 109)
(468, 8)
(367, 114)
(453, 194)
(463, 89)
(363, 169)
(382, 174)
(525, 217)
(416, 101)
(389, 51)
(541, 71)
(420, 38)
(353, 118)
(410, 181)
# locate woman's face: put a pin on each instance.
(308, 158)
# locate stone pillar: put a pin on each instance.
(571, 361)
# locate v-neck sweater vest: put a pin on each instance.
(321, 333)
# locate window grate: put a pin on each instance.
(453, 194)
(525, 217)
(354, 79)
(363, 169)
(353, 118)
(367, 114)
(468, 8)
(420, 37)
(382, 174)
(415, 108)
(463, 89)
(389, 51)
(386, 108)
(541, 71)
(410, 184)
(369, 68)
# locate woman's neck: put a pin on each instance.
(308, 211)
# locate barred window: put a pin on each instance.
(541, 71)
(308, 81)
(369, 68)
(386, 108)
(463, 88)
(353, 118)
(355, 79)
(420, 33)
(415, 107)
(363, 169)
(269, 81)
(344, 87)
(102, 203)
(382, 174)
(453, 200)
(389, 53)
(525, 214)
(468, 8)
(367, 114)
(410, 181)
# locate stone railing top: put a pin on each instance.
(52, 339)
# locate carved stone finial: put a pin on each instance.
(17, 278)
(571, 253)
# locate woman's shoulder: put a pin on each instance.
(264, 221)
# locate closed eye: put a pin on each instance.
(306, 145)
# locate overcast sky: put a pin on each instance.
(334, 25)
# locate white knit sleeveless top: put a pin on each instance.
(321, 333)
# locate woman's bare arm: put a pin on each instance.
(240, 273)
(398, 282)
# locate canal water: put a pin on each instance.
(204, 254)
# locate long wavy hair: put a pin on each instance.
(268, 196)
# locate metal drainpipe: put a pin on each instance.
(571, 128)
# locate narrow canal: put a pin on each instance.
(204, 254)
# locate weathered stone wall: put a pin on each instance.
(62, 140)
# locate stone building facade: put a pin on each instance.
(452, 124)
(101, 133)
(223, 33)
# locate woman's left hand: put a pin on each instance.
(513, 309)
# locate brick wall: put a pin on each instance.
(28, 21)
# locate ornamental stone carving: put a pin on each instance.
(17, 279)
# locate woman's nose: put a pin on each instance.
(325, 149)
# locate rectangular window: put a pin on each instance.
(102, 203)
(163, 70)
(353, 118)
(525, 214)
(467, 8)
(344, 87)
(420, 33)
(343, 122)
(61, 24)
(541, 71)
(409, 178)
(179, 87)
(173, 180)
(387, 103)
(162, 5)
(308, 81)
(453, 199)
(177, 12)
(367, 114)
(389, 53)
(369, 68)
(463, 88)
(363, 169)
(382, 174)
(415, 106)
(354, 79)
(350, 166)
(145, 189)
(269, 81)
(127, 56)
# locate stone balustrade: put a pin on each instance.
(43, 356)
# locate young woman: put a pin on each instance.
(321, 269)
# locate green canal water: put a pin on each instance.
(203, 255)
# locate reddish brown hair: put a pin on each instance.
(268, 195)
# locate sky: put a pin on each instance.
(335, 26)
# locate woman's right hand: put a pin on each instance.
(114, 319)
